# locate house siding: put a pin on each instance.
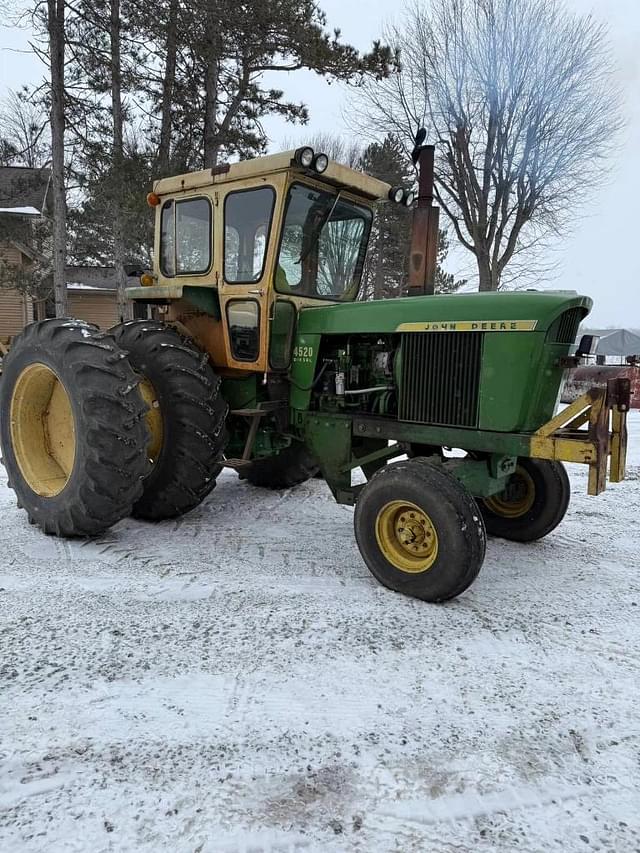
(100, 308)
(15, 312)
(10, 255)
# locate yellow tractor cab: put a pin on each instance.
(249, 243)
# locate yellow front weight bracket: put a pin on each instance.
(603, 411)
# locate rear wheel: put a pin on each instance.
(73, 428)
(290, 467)
(533, 504)
(419, 531)
(186, 417)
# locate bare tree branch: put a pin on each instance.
(518, 96)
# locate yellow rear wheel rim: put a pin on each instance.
(518, 497)
(406, 537)
(153, 419)
(43, 433)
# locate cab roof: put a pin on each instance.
(336, 174)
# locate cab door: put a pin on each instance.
(248, 240)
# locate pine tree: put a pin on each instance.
(204, 72)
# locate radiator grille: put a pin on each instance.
(565, 329)
(440, 378)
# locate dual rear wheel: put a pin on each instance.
(97, 426)
(100, 426)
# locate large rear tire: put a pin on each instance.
(72, 428)
(186, 417)
(420, 531)
(533, 504)
(291, 467)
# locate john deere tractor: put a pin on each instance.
(259, 357)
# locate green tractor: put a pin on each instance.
(259, 357)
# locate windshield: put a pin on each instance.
(324, 241)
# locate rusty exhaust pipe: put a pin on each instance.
(424, 231)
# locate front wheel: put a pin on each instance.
(420, 531)
(533, 503)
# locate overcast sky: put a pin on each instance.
(600, 258)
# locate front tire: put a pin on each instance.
(72, 428)
(533, 504)
(186, 417)
(419, 531)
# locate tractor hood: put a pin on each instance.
(483, 312)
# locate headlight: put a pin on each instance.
(304, 156)
(396, 194)
(409, 198)
(320, 163)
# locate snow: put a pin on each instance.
(21, 211)
(76, 285)
(235, 680)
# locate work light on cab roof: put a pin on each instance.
(258, 354)
(308, 159)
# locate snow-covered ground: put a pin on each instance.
(237, 681)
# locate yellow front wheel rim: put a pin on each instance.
(406, 537)
(43, 435)
(518, 497)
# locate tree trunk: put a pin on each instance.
(210, 115)
(55, 25)
(164, 151)
(489, 281)
(118, 160)
(212, 74)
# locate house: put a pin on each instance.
(614, 345)
(25, 198)
(92, 294)
(25, 201)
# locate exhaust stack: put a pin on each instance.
(426, 216)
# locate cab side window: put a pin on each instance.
(185, 237)
(247, 221)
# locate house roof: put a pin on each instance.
(618, 342)
(24, 191)
(97, 278)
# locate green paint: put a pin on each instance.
(385, 315)
(281, 340)
(507, 444)
(303, 368)
(337, 444)
(241, 393)
(520, 373)
(204, 298)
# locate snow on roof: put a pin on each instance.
(24, 190)
(21, 211)
(76, 285)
